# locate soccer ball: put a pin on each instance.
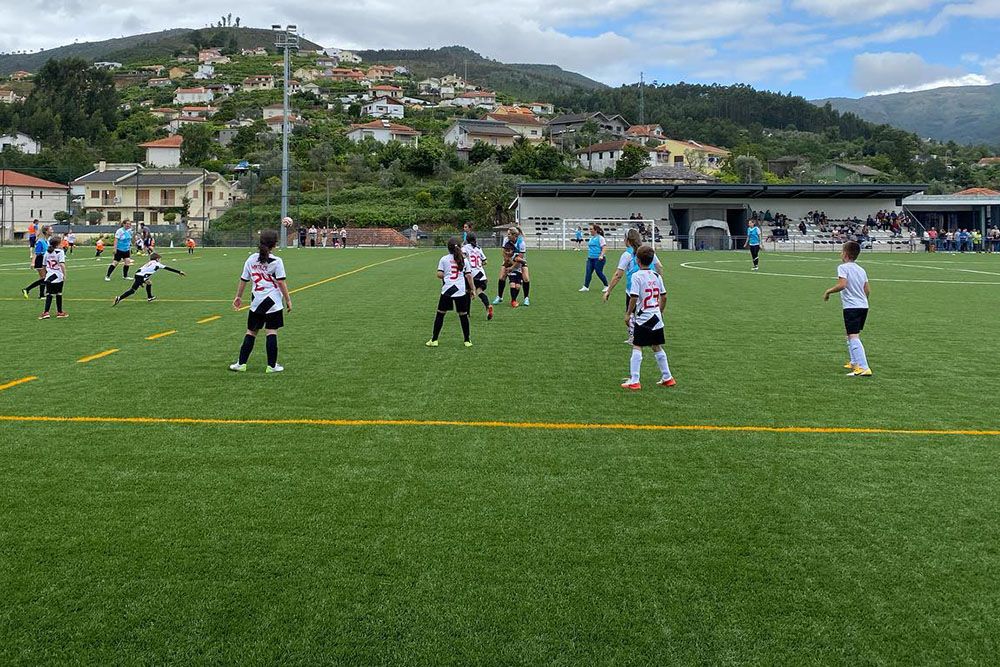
(287, 222)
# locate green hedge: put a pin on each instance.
(365, 214)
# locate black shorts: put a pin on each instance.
(459, 303)
(480, 281)
(514, 278)
(39, 261)
(261, 319)
(31, 241)
(645, 337)
(854, 320)
(54, 288)
(122, 255)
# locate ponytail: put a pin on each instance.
(470, 238)
(600, 230)
(268, 239)
(456, 252)
(632, 239)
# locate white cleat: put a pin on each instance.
(583, 289)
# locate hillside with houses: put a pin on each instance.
(378, 140)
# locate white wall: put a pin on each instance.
(163, 157)
(19, 207)
(22, 142)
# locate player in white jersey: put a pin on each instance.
(456, 287)
(54, 263)
(647, 296)
(143, 277)
(270, 298)
(852, 283)
(476, 259)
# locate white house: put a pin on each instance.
(464, 134)
(159, 82)
(275, 124)
(8, 96)
(27, 198)
(344, 56)
(383, 131)
(21, 142)
(205, 71)
(527, 125)
(430, 85)
(164, 152)
(259, 51)
(483, 99)
(604, 155)
(383, 107)
(104, 64)
(273, 111)
(198, 95)
(312, 88)
(259, 82)
(542, 108)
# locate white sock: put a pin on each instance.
(635, 365)
(850, 353)
(859, 353)
(661, 360)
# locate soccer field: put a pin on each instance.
(382, 502)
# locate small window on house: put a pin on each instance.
(95, 194)
(153, 217)
(139, 216)
(32, 194)
(32, 214)
(678, 159)
(114, 216)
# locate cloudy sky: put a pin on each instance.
(816, 48)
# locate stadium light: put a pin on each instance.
(285, 39)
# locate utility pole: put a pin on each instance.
(642, 99)
(286, 39)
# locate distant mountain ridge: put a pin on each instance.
(964, 114)
(160, 44)
(525, 81)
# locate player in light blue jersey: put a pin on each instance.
(753, 242)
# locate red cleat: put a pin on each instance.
(514, 304)
(62, 316)
(44, 316)
(669, 382)
(631, 386)
(489, 313)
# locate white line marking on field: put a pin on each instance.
(691, 265)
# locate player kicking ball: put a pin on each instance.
(852, 283)
(143, 277)
(646, 298)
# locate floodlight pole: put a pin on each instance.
(286, 39)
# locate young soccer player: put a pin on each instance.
(32, 237)
(71, 240)
(628, 265)
(521, 256)
(123, 250)
(143, 277)
(268, 303)
(456, 286)
(753, 242)
(578, 238)
(55, 276)
(190, 245)
(99, 246)
(38, 262)
(647, 296)
(852, 283)
(476, 258)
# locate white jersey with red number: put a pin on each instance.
(647, 287)
(453, 282)
(476, 259)
(54, 264)
(265, 279)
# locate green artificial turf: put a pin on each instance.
(374, 544)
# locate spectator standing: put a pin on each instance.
(302, 236)
(343, 237)
(313, 232)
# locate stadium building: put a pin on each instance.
(692, 215)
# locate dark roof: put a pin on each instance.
(169, 178)
(669, 173)
(108, 176)
(571, 118)
(720, 190)
(490, 127)
(860, 169)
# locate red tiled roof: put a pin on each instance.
(190, 90)
(18, 180)
(170, 142)
(515, 118)
(978, 191)
(379, 125)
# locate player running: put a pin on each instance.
(55, 277)
(269, 300)
(753, 242)
(99, 247)
(456, 286)
(40, 247)
(476, 259)
(647, 296)
(143, 277)
(123, 250)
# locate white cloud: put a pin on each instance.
(856, 11)
(890, 72)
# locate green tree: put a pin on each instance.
(632, 161)
(70, 99)
(490, 192)
(481, 152)
(198, 145)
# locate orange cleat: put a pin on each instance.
(489, 313)
(514, 304)
(631, 386)
(669, 382)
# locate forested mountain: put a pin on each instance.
(965, 114)
(522, 81)
(147, 46)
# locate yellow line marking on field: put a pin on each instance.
(99, 355)
(348, 273)
(14, 383)
(211, 318)
(162, 334)
(541, 426)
